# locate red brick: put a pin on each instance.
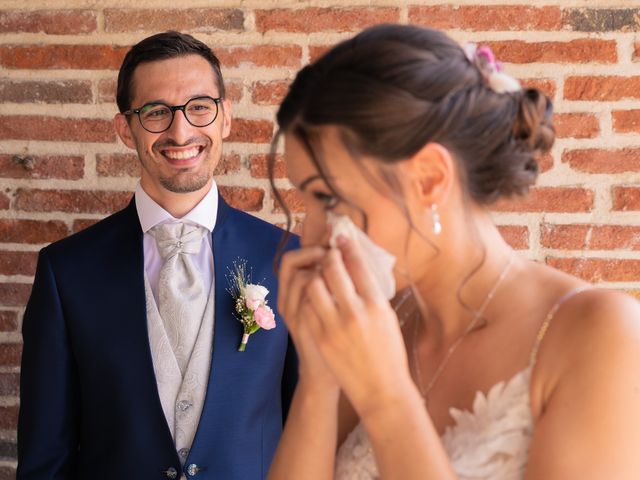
(545, 85)
(32, 231)
(233, 90)
(487, 18)
(599, 269)
(261, 56)
(269, 93)
(315, 19)
(626, 121)
(72, 201)
(51, 22)
(576, 125)
(292, 200)
(8, 321)
(7, 473)
(9, 383)
(13, 295)
(41, 167)
(545, 163)
(515, 235)
(603, 161)
(83, 57)
(34, 127)
(229, 163)
(4, 202)
(118, 165)
(590, 237)
(188, 19)
(9, 417)
(54, 91)
(247, 199)
(250, 131)
(626, 198)
(107, 90)
(574, 51)
(258, 166)
(83, 223)
(18, 263)
(316, 51)
(601, 89)
(549, 199)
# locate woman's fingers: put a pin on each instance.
(292, 262)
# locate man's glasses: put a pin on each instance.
(158, 117)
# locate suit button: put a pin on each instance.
(171, 473)
(193, 470)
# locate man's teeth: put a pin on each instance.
(181, 155)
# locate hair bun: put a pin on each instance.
(533, 125)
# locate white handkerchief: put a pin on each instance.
(379, 261)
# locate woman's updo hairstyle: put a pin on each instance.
(394, 88)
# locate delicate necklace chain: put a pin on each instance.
(472, 324)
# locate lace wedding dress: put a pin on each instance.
(490, 442)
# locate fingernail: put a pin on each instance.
(341, 240)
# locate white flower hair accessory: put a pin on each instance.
(491, 69)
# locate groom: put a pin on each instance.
(131, 366)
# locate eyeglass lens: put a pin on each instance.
(199, 112)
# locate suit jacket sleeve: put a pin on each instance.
(48, 422)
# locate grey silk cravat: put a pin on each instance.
(181, 291)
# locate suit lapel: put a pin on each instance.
(129, 270)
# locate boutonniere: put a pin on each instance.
(251, 307)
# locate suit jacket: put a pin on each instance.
(89, 402)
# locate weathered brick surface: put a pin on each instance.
(487, 18)
(27, 166)
(57, 91)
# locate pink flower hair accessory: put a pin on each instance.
(491, 69)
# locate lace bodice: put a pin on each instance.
(489, 442)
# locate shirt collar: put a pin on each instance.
(152, 214)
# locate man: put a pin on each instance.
(131, 366)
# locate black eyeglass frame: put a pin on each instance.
(173, 110)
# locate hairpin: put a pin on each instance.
(484, 59)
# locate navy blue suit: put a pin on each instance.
(90, 407)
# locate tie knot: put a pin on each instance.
(175, 238)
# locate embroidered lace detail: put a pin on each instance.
(489, 442)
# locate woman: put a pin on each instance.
(493, 366)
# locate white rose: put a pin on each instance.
(254, 296)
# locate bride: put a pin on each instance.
(484, 365)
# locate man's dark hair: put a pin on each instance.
(162, 46)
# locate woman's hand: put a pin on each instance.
(356, 331)
(298, 269)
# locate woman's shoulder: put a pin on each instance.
(593, 332)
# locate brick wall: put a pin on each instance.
(61, 167)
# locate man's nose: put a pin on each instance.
(180, 130)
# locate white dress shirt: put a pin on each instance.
(151, 214)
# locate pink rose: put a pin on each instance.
(264, 317)
(254, 296)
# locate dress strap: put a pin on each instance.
(542, 331)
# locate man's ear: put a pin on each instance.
(433, 171)
(225, 110)
(123, 130)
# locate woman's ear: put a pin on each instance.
(432, 173)
(123, 130)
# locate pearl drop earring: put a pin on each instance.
(435, 218)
